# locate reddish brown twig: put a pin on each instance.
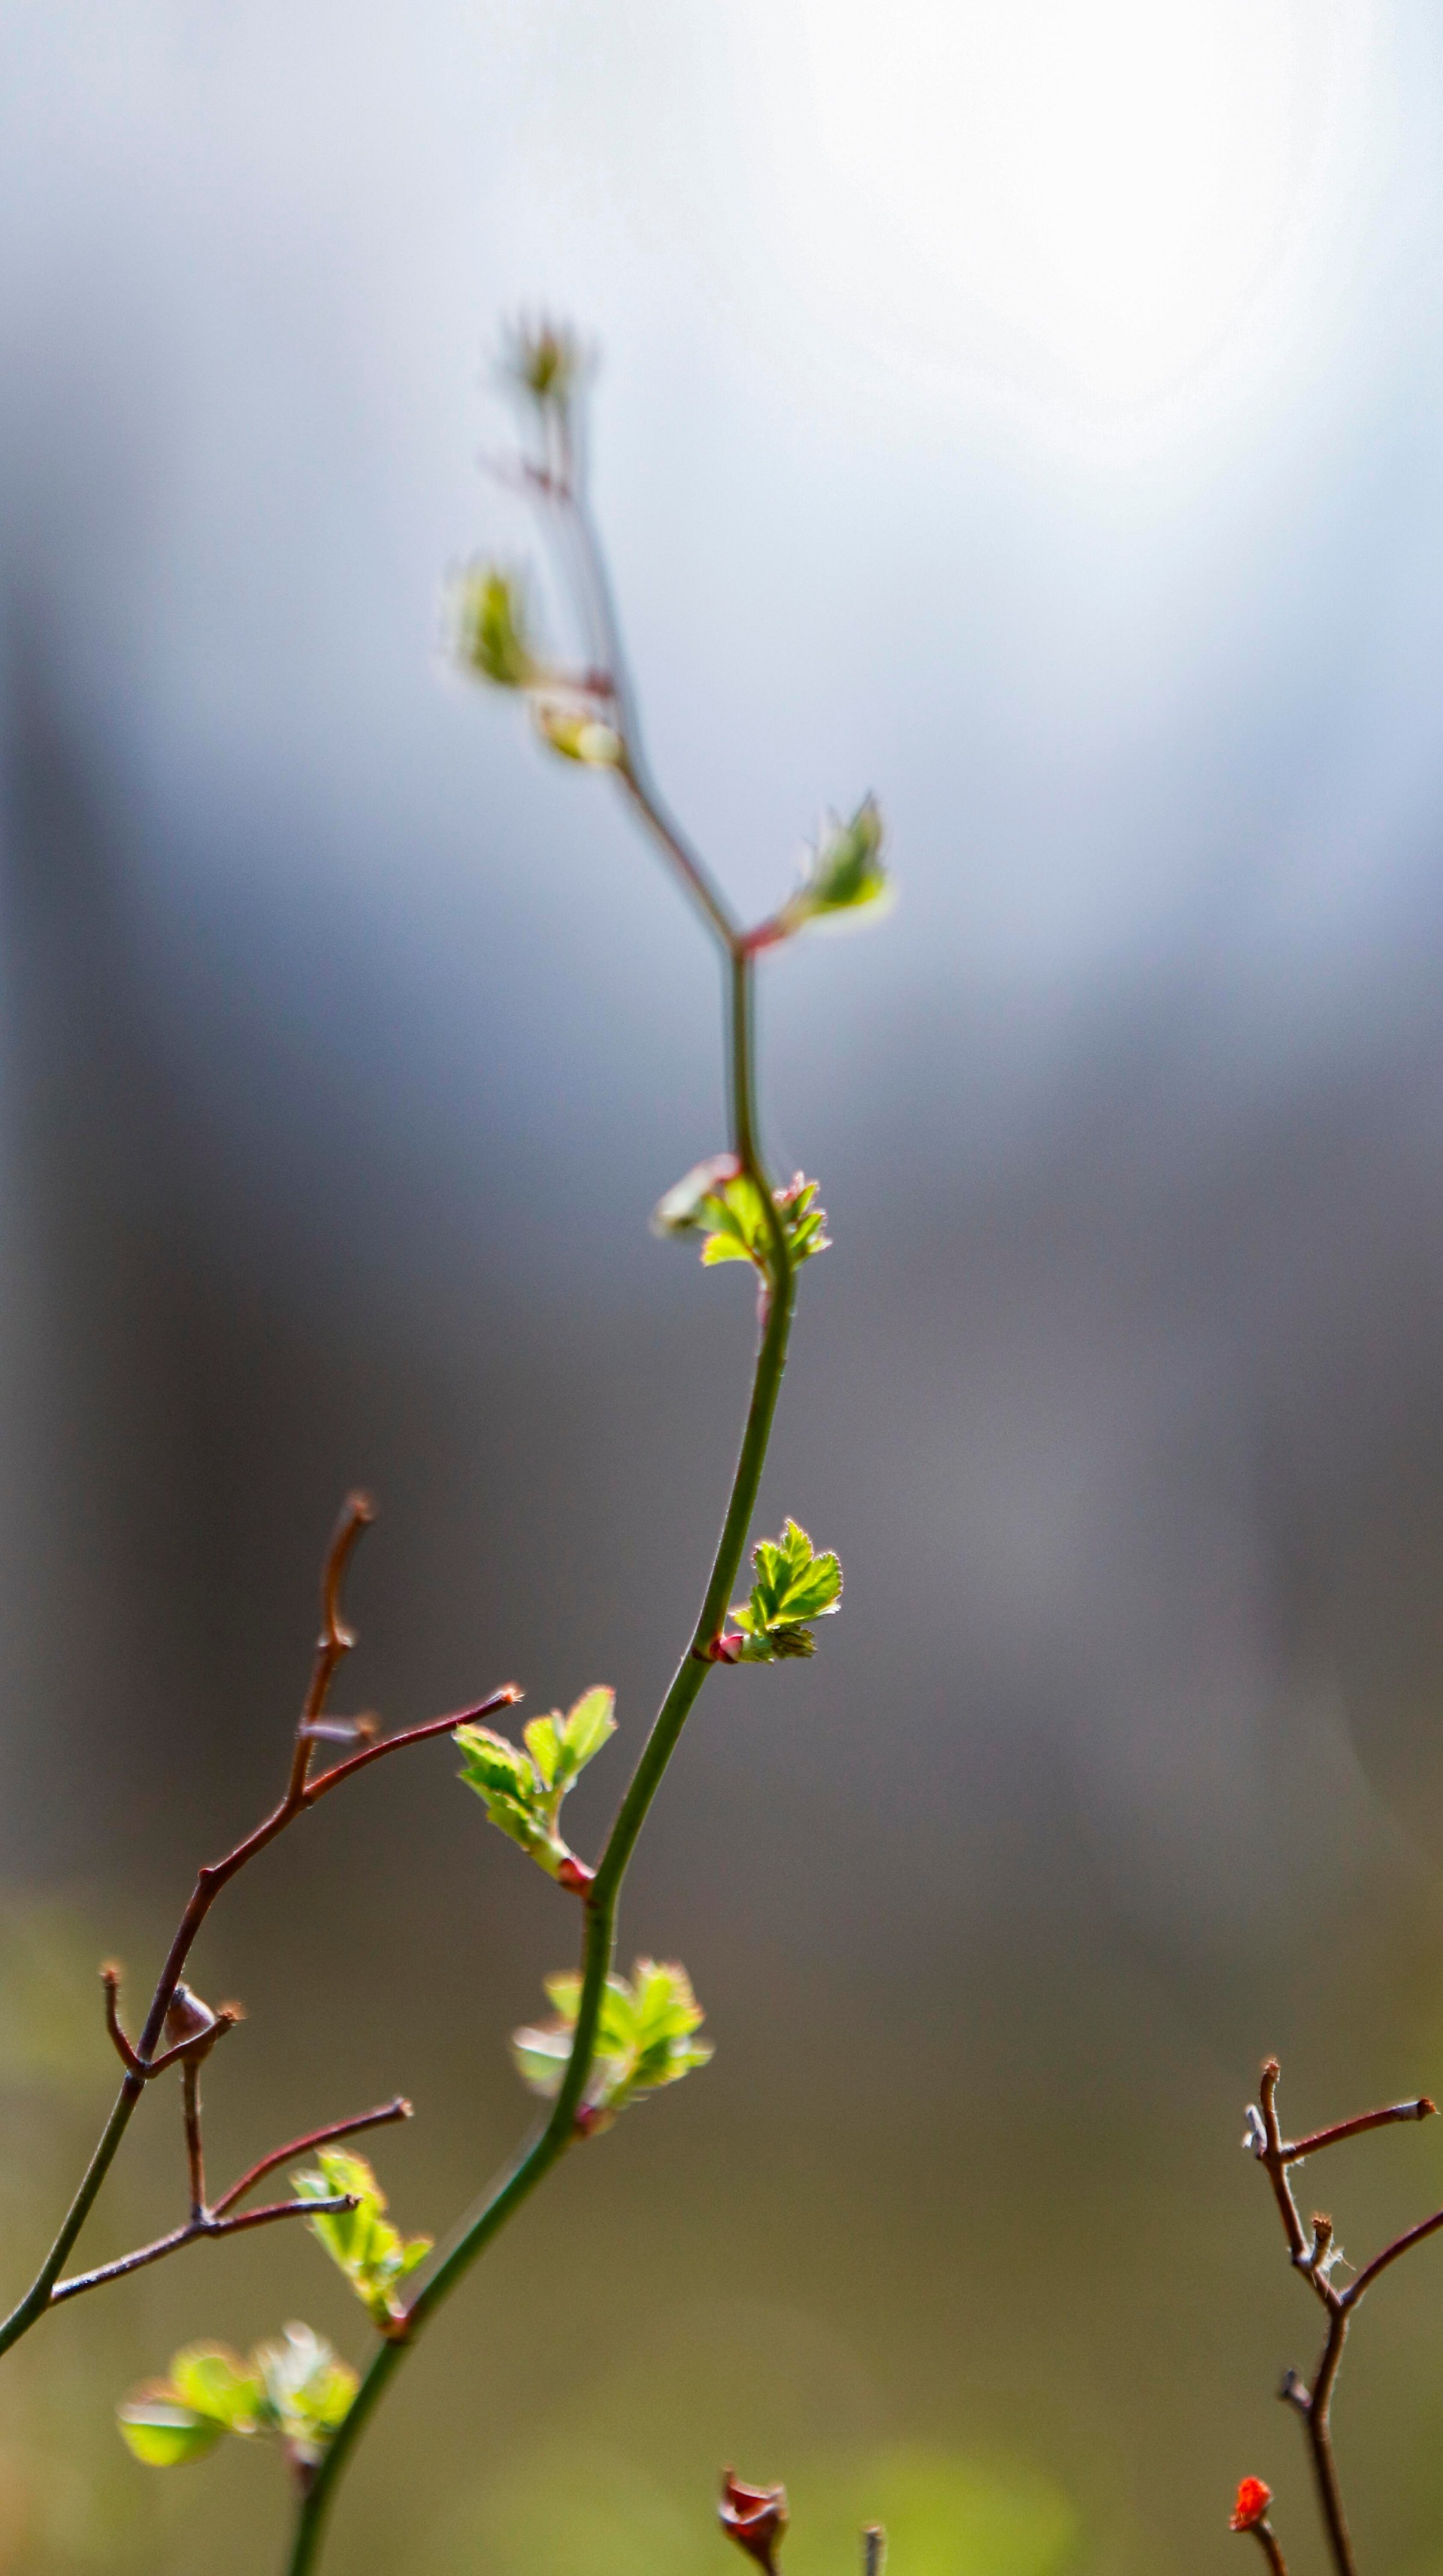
(506, 1697)
(207, 2224)
(194, 2151)
(1403, 2244)
(140, 2059)
(380, 2118)
(336, 1639)
(1422, 2109)
(1314, 2257)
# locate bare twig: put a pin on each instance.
(206, 2225)
(336, 1639)
(1403, 2244)
(506, 1697)
(1422, 2109)
(191, 2040)
(305, 2145)
(194, 2151)
(1267, 2540)
(110, 1979)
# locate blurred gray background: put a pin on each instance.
(1033, 414)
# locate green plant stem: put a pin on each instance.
(603, 1898)
(37, 2297)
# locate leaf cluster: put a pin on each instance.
(522, 1786)
(719, 1200)
(372, 2253)
(294, 2389)
(644, 2039)
(793, 1584)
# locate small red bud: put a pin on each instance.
(1252, 2503)
(573, 1873)
(754, 2517)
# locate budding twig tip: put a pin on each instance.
(111, 1972)
(1426, 2107)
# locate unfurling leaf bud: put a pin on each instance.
(568, 723)
(190, 2023)
(793, 1585)
(845, 875)
(489, 628)
(544, 361)
(755, 2518)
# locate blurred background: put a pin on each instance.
(1032, 414)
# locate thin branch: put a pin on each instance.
(194, 2150)
(399, 2109)
(1267, 2540)
(336, 1639)
(1422, 2109)
(1320, 2440)
(1403, 2244)
(506, 1697)
(207, 2225)
(110, 1979)
(1272, 2154)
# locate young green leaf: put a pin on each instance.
(163, 2433)
(644, 2038)
(210, 2392)
(362, 2241)
(217, 2384)
(793, 1584)
(588, 1725)
(489, 628)
(522, 1791)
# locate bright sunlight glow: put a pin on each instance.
(1091, 192)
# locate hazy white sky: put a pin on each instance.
(1028, 412)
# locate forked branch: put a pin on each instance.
(175, 2017)
(1314, 2254)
